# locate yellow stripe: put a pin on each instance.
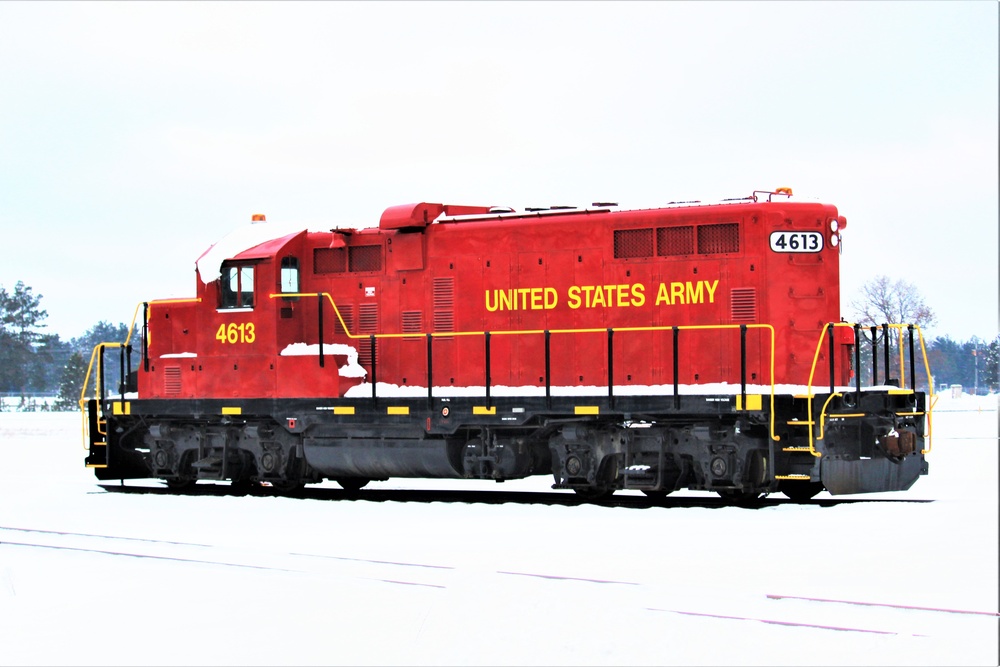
(116, 408)
(232, 411)
(398, 410)
(754, 402)
(900, 391)
(588, 410)
(483, 410)
(91, 465)
(795, 477)
(343, 410)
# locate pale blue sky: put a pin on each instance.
(134, 135)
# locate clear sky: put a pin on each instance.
(135, 135)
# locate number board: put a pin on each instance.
(796, 241)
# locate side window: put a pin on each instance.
(237, 287)
(289, 275)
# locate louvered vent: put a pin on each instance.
(444, 304)
(413, 322)
(329, 260)
(367, 324)
(743, 304)
(714, 239)
(172, 380)
(671, 241)
(633, 243)
(347, 313)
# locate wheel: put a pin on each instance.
(800, 491)
(352, 483)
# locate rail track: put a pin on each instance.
(492, 497)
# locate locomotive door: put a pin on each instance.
(545, 278)
(527, 350)
(562, 271)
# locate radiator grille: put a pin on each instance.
(329, 260)
(633, 243)
(743, 304)
(347, 313)
(444, 304)
(172, 380)
(366, 258)
(672, 241)
(367, 324)
(714, 239)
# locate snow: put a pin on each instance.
(257, 580)
(351, 369)
(209, 265)
(386, 389)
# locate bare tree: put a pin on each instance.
(895, 302)
(886, 301)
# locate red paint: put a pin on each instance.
(501, 273)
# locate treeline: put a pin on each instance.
(34, 363)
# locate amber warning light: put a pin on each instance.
(257, 217)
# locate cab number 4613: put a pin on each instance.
(233, 333)
(796, 241)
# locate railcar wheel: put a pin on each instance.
(800, 491)
(352, 483)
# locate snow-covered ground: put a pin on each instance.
(90, 577)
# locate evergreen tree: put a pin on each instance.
(105, 332)
(990, 365)
(20, 321)
(71, 383)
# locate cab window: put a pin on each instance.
(289, 275)
(237, 286)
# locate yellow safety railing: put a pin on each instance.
(97, 377)
(525, 332)
(902, 375)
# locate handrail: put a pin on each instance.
(98, 381)
(812, 371)
(522, 332)
(609, 331)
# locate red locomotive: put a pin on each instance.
(689, 346)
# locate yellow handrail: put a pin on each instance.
(521, 332)
(902, 374)
(97, 389)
